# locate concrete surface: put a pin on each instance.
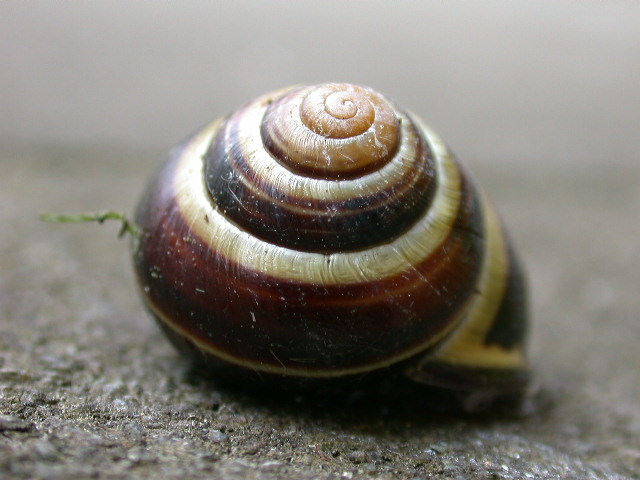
(541, 102)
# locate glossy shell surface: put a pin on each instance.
(321, 231)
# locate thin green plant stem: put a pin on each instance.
(127, 226)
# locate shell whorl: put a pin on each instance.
(334, 131)
(321, 168)
(296, 258)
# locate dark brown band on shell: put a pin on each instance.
(250, 199)
(365, 248)
(298, 325)
(509, 328)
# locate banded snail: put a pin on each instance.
(320, 232)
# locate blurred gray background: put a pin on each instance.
(546, 82)
(540, 99)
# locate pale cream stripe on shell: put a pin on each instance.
(374, 263)
(467, 345)
(299, 186)
(365, 266)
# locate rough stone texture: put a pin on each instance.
(89, 387)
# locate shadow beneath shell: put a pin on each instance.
(389, 400)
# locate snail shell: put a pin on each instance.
(322, 232)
